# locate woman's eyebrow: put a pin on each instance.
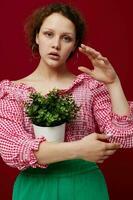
(50, 29)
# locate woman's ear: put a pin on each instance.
(37, 39)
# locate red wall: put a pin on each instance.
(110, 31)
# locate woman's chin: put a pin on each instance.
(54, 64)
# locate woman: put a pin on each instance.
(53, 171)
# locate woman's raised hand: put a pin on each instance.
(103, 70)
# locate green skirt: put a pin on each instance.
(67, 180)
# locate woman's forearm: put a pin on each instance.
(91, 148)
(119, 102)
(55, 152)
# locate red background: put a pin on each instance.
(109, 31)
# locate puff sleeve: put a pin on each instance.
(17, 145)
(119, 127)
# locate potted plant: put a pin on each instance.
(50, 113)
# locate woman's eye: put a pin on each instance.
(48, 34)
(67, 38)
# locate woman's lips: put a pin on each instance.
(54, 56)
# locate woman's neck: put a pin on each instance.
(44, 79)
(50, 73)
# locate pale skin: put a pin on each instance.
(104, 72)
(57, 35)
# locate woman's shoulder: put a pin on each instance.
(14, 89)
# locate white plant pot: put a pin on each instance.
(51, 134)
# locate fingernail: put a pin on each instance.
(109, 134)
(82, 45)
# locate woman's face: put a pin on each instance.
(56, 40)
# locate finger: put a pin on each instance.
(112, 146)
(85, 70)
(90, 51)
(102, 136)
(104, 59)
(100, 161)
(105, 157)
(86, 53)
(110, 152)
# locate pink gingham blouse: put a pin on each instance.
(17, 141)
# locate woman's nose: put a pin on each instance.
(56, 43)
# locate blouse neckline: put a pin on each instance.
(79, 78)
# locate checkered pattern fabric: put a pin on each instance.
(17, 141)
